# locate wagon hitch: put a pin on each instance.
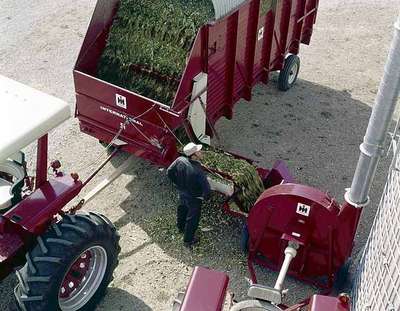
(105, 182)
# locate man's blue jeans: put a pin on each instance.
(188, 216)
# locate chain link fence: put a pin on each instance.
(377, 282)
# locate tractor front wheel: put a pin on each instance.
(71, 266)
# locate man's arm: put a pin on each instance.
(172, 172)
(205, 186)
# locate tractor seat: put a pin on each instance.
(10, 189)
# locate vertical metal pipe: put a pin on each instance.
(41, 161)
(373, 146)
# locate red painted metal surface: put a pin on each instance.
(206, 290)
(326, 303)
(41, 161)
(237, 52)
(34, 213)
(279, 174)
(31, 217)
(323, 229)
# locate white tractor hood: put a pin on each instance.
(26, 114)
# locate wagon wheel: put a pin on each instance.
(289, 73)
(254, 305)
(71, 266)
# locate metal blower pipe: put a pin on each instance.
(372, 148)
(290, 253)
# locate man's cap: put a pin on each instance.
(191, 148)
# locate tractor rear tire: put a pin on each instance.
(71, 266)
(289, 73)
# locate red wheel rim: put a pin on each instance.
(75, 275)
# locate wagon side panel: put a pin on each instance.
(264, 34)
(96, 35)
(295, 11)
(103, 109)
(232, 43)
(196, 63)
(217, 70)
(310, 17)
(281, 24)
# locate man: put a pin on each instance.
(191, 181)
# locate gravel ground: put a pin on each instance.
(316, 128)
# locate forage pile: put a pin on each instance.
(244, 175)
(149, 43)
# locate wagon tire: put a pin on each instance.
(244, 239)
(289, 73)
(71, 265)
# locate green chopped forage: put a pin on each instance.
(267, 5)
(244, 175)
(149, 42)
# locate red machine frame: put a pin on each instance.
(32, 216)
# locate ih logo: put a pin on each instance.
(303, 209)
(120, 101)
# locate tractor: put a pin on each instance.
(63, 260)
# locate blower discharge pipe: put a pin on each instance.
(290, 253)
(373, 146)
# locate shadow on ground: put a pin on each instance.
(118, 299)
(7, 302)
(315, 129)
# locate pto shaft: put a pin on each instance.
(290, 253)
